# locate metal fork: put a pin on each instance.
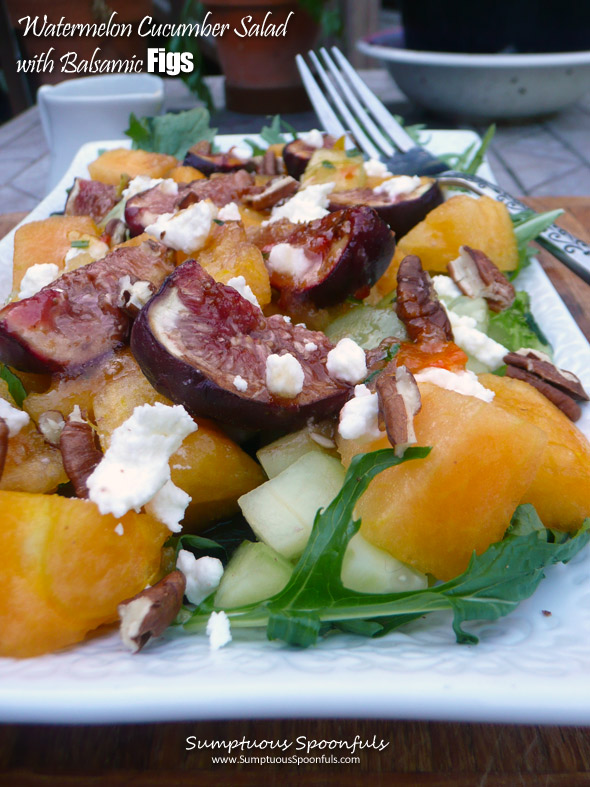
(357, 112)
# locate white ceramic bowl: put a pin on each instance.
(482, 86)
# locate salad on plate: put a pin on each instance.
(276, 387)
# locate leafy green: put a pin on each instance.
(173, 133)
(15, 387)
(472, 157)
(516, 327)
(528, 225)
(272, 134)
(198, 545)
(80, 244)
(315, 600)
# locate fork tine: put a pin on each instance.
(400, 137)
(327, 116)
(359, 135)
(372, 130)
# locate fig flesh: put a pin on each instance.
(347, 252)
(401, 213)
(77, 318)
(297, 155)
(144, 208)
(203, 345)
(220, 189)
(201, 157)
(91, 198)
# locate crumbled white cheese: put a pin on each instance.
(76, 415)
(310, 347)
(119, 530)
(240, 383)
(376, 169)
(135, 466)
(347, 362)
(37, 277)
(144, 182)
(398, 185)
(284, 375)
(308, 204)
(229, 212)
(168, 506)
(245, 154)
(186, 230)
(475, 342)
(445, 288)
(137, 294)
(289, 260)
(239, 284)
(15, 419)
(218, 630)
(465, 383)
(313, 138)
(359, 416)
(51, 424)
(202, 575)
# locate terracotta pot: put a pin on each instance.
(260, 71)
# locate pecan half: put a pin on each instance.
(116, 230)
(79, 454)
(150, 612)
(399, 401)
(417, 305)
(3, 444)
(269, 164)
(277, 190)
(560, 399)
(541, 365)
(477, 276)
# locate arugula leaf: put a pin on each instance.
(199, 545)
(315, 600)
(272, 134)
(475, 163)
(528, 225)
(173, 133)
(516, 327)
(15, 387)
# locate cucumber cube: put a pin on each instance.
(281, 511)
(254, 573)
(368, 569)
(276, 457)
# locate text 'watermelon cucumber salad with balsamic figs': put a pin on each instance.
(276, 387)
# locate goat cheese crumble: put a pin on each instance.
(313, 138)
(284, 375)
(218, 630)
(445, 288)
(229, 212)
(347, 362)
(376, 169)
(397, 186)
(37, 277)
(239, 284)
(135, 467)
(240, 383)
(359, 416)
(202, 575)
(289, 261)
(476, 343)
(144, 182)
(15, 419)
(136, 294)
(308, 204)
(465, 383)
(186, 230)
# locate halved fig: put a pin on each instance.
(220, 189)
(345, 252)
(201, 157)
(203, 345)
(401, 213)
(77, 318)
(297, 155)
(144, 208)
(91, 198)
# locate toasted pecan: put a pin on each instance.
(399, 401)
(477, 276)
(560, 399)
(539, 364)
(269, 164)
(417, 305)
(150, 612)
(277, 190)
(79, 454)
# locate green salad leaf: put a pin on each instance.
(516, 327)
(472, 157)
(173, 133)
(315, 600)
(528, 225)
(15, 387)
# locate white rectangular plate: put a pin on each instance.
(528, 667)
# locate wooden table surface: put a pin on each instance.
(435, 754)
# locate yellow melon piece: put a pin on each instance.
(560, 490)
(65, 569)
(185, 174)
(48, 241)
(480, 223)
(433, 513)
(111, 164)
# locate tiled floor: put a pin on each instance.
(547, 158)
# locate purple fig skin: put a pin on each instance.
(353, 248)
(401, 215)
(76, 319)
(91, 198)
(218, 336)
(297, 154)
(215, 162)
(143, 209)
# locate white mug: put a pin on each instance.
(93, 108)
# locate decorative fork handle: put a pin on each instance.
(572, 251)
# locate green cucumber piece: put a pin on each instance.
(276, 457)
(254, 573)
(368, 569)
(367, 326)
